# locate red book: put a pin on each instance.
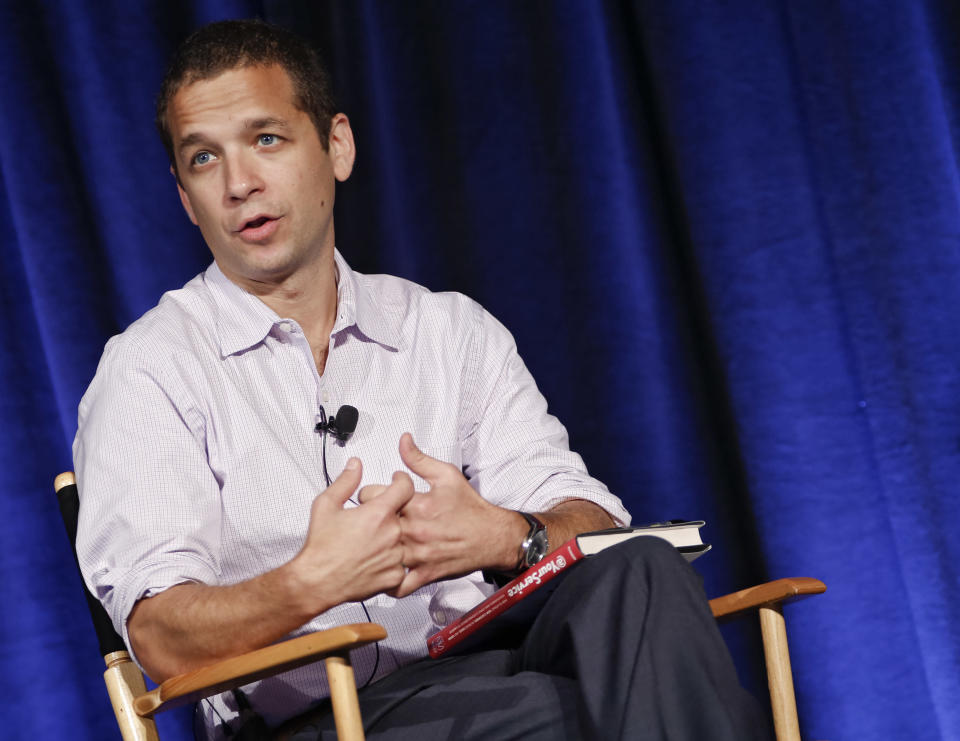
(524, 595)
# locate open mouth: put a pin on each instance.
(259, 229)
(256, 223)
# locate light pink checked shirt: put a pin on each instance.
(197, 459)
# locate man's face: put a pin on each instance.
(254, 176)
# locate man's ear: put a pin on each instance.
(341, 147)
(184, 198)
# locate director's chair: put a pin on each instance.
(135, 707)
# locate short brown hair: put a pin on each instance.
(219, 47)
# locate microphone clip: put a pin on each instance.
(340, 425)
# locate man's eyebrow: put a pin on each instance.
(266, 123)
(190, 140)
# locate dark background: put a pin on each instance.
(724, 234)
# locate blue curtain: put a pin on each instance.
(725, 236)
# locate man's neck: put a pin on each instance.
(310, 298)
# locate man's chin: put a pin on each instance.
(269, 272)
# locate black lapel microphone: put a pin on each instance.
(342, 424)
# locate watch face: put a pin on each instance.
(537, 548)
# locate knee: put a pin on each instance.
(647, 549)
(649, 558)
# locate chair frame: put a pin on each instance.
(135, 706)
(768, 600)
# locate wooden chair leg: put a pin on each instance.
(779, 676)
(343, 698)
(125, 682)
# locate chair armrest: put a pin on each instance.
(264, 662)
(781, 590)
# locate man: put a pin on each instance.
(209, 525)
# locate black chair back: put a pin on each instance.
(110, 640)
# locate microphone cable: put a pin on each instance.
(324, 427)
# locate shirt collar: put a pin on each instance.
(243, 320)
(358, 306)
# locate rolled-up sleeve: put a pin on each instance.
(149, 503)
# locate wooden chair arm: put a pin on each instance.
(773, 592)
(264, 662)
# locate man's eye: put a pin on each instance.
(202, 158)
(267, 140)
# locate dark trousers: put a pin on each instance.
(625, 648)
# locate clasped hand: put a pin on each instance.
(397, 540)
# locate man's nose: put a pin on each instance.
(242, 179)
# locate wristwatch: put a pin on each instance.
(535, 546)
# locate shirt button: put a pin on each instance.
(439, 617)
(286, 326)
(326, 396)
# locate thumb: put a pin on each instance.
(337, 494)
(419, 462)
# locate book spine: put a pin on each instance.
(505, 597)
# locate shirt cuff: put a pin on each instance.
(152, 578)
